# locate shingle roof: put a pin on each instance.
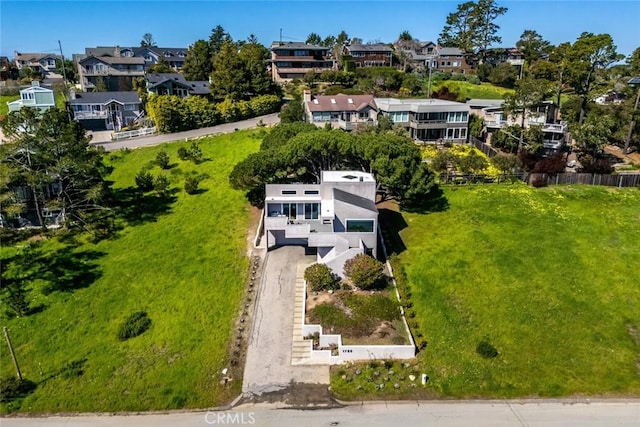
(377, 47)
(354, 200)
(450, 51)
(341, 102)
(196, 87)
(105, 97)
(34, 57)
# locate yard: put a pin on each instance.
(473, 91)
(181, 259)
(548, 278)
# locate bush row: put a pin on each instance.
(174, 114)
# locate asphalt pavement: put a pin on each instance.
(470, 413)
(147, 141)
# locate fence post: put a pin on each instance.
(620, 182)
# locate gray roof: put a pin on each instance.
(195, 87)
(450, 51)
(116, 59)
(419, 105)
(354, 200)
(481, 103)
(105, 98)
(377, 47)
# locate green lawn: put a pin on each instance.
(4, 108)
(470, 90)
(183, 262)
(550, 277)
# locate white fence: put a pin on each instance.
(116, 136)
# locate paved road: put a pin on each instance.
(268, 366)
(477, 414)
(146, 141)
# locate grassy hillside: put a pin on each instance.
(548, 277)
(181, 260)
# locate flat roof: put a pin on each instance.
(347, 176)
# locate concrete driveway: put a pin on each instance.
(268, 366)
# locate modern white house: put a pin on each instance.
(34, 96)
(428, 119)
(338, 216)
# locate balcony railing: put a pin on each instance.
(86, 115)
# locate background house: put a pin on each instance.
(452, 60)
(544, 115)
(105, 110)
(34, 96)
(292, 60)
(174, 56)
(175, 84)
(341, 111)
(433, 120)
(337, 216)
(115, 73)
(370, 55)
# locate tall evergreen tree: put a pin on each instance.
(533, 46)
(197, 65)
(228, 78)
(314, 38)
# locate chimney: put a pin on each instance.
(35, 83)
(72, 94)
(116, 51)
(306, 95)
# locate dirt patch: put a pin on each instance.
(618, 152)
(298, 395)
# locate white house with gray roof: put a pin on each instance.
(105, 110)
(338, 216)
(435, 120)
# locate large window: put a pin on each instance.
(457, 133)
(399, 117)
(311, 210)
(360, 225)
(458, 117)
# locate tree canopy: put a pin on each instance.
(298, 153)
(50, 155)
(472, 27)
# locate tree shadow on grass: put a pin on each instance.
(136, 208)
(391, 223)
(66, 270)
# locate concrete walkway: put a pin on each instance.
(146, 141)
(269, 366)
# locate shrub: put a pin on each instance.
(365, 271)
(161, 185)
(183, 153)
(134, 325)
(191, 184)
(320, 277)
(162, 159)
(486, 350)
(144, 180)
(11, 388)
(195, 153)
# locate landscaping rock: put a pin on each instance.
(412, 377)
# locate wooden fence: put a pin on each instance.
(621, 180)
(488, 150)
(543, 179)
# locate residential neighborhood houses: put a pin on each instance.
(367, 235)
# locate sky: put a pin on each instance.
(36, 26)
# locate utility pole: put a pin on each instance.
(13, 355)
(280, 35)
(64, 73)
(633, 123)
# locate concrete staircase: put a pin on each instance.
(301, 348)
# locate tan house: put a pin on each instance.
(340, 111)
